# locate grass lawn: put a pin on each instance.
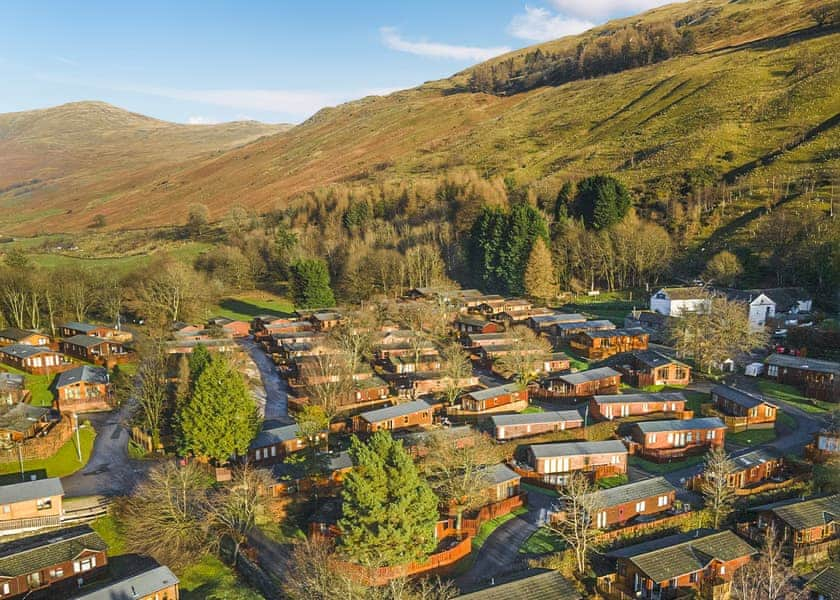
(108, 530)
(611, 482)
(660, 469)
(695, 399)
(532, 409)
(787, 420)
(38, 386)
(542, 541)
(490, 526)
(752, 437)
(790, 394)
(64, 462)
(533, 489)
(246, 306)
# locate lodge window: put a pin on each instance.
(34, 579)
(693, 577)
(680, 373)
(86, 564)
(44, 503)
(772, 370)
(674, 583)
(56, 573)
(5, 589)
(640, 506)
(723, 569)
(662, 501)
(7, 508)
(710, 435)
(768, 411)
(652, 438)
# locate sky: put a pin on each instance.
(275, 61)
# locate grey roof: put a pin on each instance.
(680, 425)
(577, 448)
(594, 324)
(85, 341)
(275, 435)
(755, 458)
(737, 396)
(30, 490)
(672, 556)
(36, 552)
(500, 473)
(24, 350)
(804, 364)
(611, 333)
(827, 582)
(508, 388)
(392, 412)
(630, 492)
(589, 375)
(79, 326)
(554, 416)
(649, 397)
(20, 416)
(653, 359)
(556, 318)
(805, 514)
(85, 373)
(11, 381)
(480, 337)
(13, 333)
(686, 293)
(533, 584)
(139, 586)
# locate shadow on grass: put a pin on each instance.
(251, 310)
(28, 475)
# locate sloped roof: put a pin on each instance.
(556, 318)
(827, 582)
(533, 584)
(654, 359)
(13, 333)
(685, 293)
(86, 341)
(30, 490)
(20, 416)
(805, 514)
(739, 397)
(646, 397)
(589, 375)
(611, 333)
(631, 492)
(554, 416)
(139, 586)
(493, 392)
(24, 350)
(595, 324)
(804, 364)
(80, 326)
(392, 412)
(677, 555)
(755, 457)
(680, 424)
(275, 435)
(500, 473)
(577, 448)
(11, 381)
(36, 552)
(86, 373)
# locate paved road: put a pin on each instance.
(109, 471)
(274, 395)
(500, 553)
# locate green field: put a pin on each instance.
(246, 306)
(542, 541)
(660, 469)
(64, 462)
(787, 393)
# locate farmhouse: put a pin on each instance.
(602, 380)
(566, 330)
(648, 367)
(38, 360)
(675, 302)
(620, 504)
(494, 397)
(669, 566)
(92, 348)
(83, 388)
(598, 345)
(533, 584)
(819, 379)
(30, 505)
(613, 406)
(508, 427)
(12, 388)
(738, 403)
(20, 421)
(52, 564)
(661, 439)
(554, 462)
(158, 583)
(13, 335)
(401, 416)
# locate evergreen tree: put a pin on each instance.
(539, 273)
(602, 201)
(563, 201)
(199, 359)
(220, 419)
(389, 511)
(311, 284)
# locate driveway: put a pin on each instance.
(500, 553)
(274, 393)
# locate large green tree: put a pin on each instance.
(311, 284)
(602, 201)
(220, 419)
(389, 511)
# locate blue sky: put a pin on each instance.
(275, 61)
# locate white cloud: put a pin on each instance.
(393, 40)
(601, 10)
(540, 25)
(66, 61)
(199, 120)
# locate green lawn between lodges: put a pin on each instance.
(39, 386)
(542, 541)
(788, 393)
(752, 437)
(611, 482)
(532, 409)
(490, 526)
(64, 462)
(660, 469)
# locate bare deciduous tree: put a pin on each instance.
(577, 527)
(152, 390)
(717, 492)
(455, 367)
(329, 381)
(310, 575)
(767, 577)
(527, 351)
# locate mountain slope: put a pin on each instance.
(754, 96)
(77, 151)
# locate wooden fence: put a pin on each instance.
(638, 528)
(814, 553)
(470, 526)
(769, 486)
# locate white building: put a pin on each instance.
(763, 305)
(674, 302)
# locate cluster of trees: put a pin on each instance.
(627, 47)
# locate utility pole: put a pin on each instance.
(78, 443)
(20, 459)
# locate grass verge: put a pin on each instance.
(660, 469)
(752, 437)
(62, 463)
(490, 526)
(542, 541)
(611, 482)
(788, 393)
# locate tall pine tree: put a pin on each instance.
(220, 418)
(311, 284)
(540, 282)
(389, 511)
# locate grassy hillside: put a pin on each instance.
(755, 99)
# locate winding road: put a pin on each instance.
(273, 397)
